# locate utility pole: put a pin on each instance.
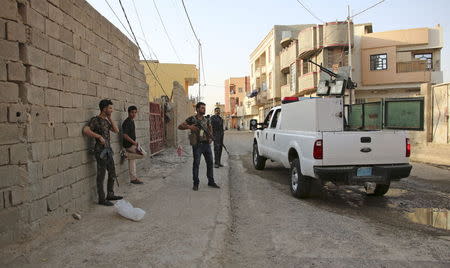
(199, 59)
(349, 36)
(349, 21)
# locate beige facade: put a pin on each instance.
(395, 63)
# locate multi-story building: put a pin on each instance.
(167, 73)
(236, 89)
(265, 76)
(395, 63)
(384, 64)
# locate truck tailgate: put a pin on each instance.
(364, 148)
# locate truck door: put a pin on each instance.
(271, 145)
(264, 134)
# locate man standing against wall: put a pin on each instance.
(200, 139)
(130, 144)
(99, 128)
(218, 133)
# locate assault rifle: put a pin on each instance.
(196, 123)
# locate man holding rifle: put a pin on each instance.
(200, 139)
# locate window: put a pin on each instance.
(240, 103)
(428, 57)
(274, 122)
(240, 90)
(270, 53)
(293, 73)
(270, 80)
(305, 67)
(266, 121)
(378, 62)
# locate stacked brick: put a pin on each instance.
(58, 59)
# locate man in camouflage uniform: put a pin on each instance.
(99, 128)
(201, 139)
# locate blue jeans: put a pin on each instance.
(197, 151)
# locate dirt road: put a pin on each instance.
(338, 227)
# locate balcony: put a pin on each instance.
(412, 66)
(240, 111)
(261, 98)
(286, 91)
(258, 72)
(287, 57)
(336, 34)
(307, 83)
(307, 40)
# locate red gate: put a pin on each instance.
(157, 139)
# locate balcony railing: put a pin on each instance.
(307, 82)
(412, 66)
(287, 57)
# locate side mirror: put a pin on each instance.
(253, 124)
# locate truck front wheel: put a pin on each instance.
(259, 162)
(300, 184)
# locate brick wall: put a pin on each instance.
(58, 58)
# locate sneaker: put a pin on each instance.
(195, 188)
(136, 181)
(213, 185)
(105, 203)
(216, 165)
(114, 197)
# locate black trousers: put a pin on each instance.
(198, 150)
(104, 165)
(218, 141)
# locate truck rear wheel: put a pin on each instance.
(300, 184)
(381, 189)
(259, 162)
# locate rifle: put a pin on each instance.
(200, 126)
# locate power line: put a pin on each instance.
(189, 19)
(143, 33)
(165, 30)
(367, 9)
(203, 65)
(309, 11)
(117, 17)
(139, 47)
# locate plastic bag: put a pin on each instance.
(125, 209)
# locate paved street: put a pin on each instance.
(337, 227)
(252, 221)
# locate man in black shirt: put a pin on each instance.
(99, 127)
(130, 144)
(218, 132)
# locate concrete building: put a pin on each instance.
(396, 63)
(384, 64)
(236, 89)
(265, 66)
(167, 73)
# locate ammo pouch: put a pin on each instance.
(193, 139)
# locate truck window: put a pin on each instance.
(267, 120)
(274, 122)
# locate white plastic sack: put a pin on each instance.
(125, 209)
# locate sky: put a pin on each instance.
(230, 30)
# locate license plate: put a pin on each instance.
(364, 171)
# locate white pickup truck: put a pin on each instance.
(308, 136)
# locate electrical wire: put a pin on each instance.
(203, 65)
(190, 23)
(165, 30)
(143, 33)
(140, 49)
(309, 11)
(117, 17)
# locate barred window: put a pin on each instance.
(428, 57)
(378, 62)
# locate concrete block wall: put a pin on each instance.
(58, 59)
(182, 108)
